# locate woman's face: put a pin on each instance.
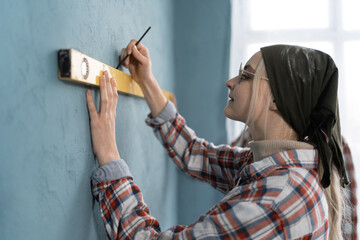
(240, 91)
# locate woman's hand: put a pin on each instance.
(102, 123)
(138, 63)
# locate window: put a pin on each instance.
(285, 14)
(331, 26)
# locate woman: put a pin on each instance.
(286, 185)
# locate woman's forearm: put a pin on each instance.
(154, 96)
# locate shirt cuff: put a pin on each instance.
(165, 115)
(113, 170)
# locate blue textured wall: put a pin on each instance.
(45, 148)
(202, 44)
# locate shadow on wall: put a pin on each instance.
(202, 44)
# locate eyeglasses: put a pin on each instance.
(243, 72)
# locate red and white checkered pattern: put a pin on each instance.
(278, 197)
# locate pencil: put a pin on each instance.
(121, 62)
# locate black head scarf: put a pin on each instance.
(304, 85)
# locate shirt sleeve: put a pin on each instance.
(111, 171)
(217, 165)
(126, 216)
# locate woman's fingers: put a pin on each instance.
(127, 61)
(130, 46)
(103, 95)
(143, 50)
(122, 55)
(114, 92)
(109, 89)
(111, 94)
(138, 55)
(129, 52)
(91, 105)
(114, 87)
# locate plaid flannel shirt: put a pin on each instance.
(278, 197)
(349, 221)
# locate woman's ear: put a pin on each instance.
(273, 106)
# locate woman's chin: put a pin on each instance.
(228, 114)
(231, 115)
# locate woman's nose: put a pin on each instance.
(230, 83)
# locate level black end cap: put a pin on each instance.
(64, 62)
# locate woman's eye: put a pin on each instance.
(244, 77)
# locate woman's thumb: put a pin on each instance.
(138, 55)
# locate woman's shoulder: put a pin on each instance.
(281, 177)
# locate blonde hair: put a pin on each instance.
(335, 201)
(255, 93)
(266, 100)
(333, 194)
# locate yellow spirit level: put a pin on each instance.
(77, 67)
